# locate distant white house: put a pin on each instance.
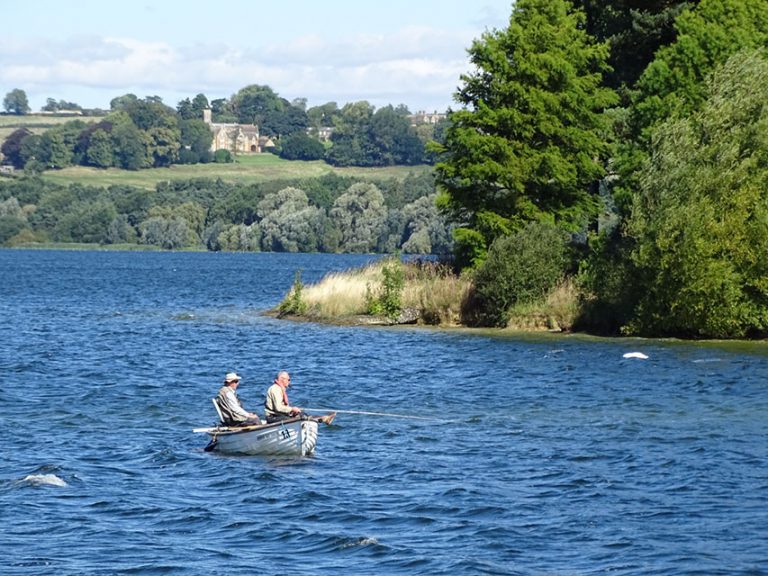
(322, 133)
(422, 117)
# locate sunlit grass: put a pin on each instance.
(341, 294)
(439, 297)
(558, 311)
(250, 169)
(432, 290)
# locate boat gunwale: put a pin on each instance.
(234, 430)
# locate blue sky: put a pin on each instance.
(392, 52)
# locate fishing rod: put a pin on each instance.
(388, 414)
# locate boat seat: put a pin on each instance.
(218, 410)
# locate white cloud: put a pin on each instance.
(416, 66)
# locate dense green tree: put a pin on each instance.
(635, 30)
(528, 141)
(11, 207)
(52, 105)
(83, 141)
(87, 222)
(360, 215)
(240, 238)
(129, 143)
(425, 230)
(323, 116)
(32, 151)
(12, 219)
(135, 203)
(51, 205)
(391, 237)
(364, 136)
(350, 138)
(520, 269)
(199, 103)
(393, 140)
(287, 120)
(254, 103)
(123, 102)
(184, 109)
(196, 139)
(171, 234)
(673, 85)
(55, 148)
(12, 147)
(10, 226)
(399, 192)
(53, 151)
(300, 146)
(15, 102)
(237, 205)
(192, 213)
(164, 145)
(192, 109)
(100, 152)
(699, 222)
(274, 116)
(288, 223)
(221, 111)
(120, 231)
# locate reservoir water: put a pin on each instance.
(532, 455)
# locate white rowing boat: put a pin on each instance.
(294, 437)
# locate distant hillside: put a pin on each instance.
(246, 170)
(36, 123)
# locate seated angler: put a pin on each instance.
(232, 411)
(277, 407)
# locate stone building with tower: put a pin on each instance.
(237, 138)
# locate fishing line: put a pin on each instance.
(389, 414)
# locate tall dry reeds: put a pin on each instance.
(558, 311)
(433, 291)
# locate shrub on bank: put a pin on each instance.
(520, 269)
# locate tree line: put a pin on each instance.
(141, 133)
(612, 144)
(626, 141)
(324, 214)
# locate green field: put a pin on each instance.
(246, 170)
(36, 123)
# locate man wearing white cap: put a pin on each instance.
(232, 410)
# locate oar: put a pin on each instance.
(229, 428)
(388, 414)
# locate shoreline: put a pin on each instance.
(518, 334)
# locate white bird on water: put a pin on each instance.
(44, 480)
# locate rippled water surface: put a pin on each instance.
(546, 455)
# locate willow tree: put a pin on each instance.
(528, 141)
(674, 83)
(700, 220)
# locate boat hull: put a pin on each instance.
(287, 438)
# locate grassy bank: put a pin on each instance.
(428, 294)
(254, 169)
